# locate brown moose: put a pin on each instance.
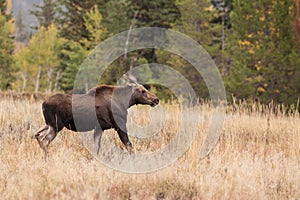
(103, 107)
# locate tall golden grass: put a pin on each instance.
(257, 157)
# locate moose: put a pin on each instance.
(102, 107)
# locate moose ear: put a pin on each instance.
(147, 86)
(133, 86)
(131, 78)
(125, 77)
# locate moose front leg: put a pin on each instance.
(97, 139)
(125, 140)
(120, 127)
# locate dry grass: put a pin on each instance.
(257, 157)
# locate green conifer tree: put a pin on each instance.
(265, 57)
(45, 13)
(7, 46)
(72, 14)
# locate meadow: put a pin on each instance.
(257, 157)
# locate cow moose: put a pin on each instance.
(101, 108)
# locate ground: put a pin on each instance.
(256, 157)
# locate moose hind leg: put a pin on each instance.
(97, 139)
(47, 138)
(51, 134)
(40, 134)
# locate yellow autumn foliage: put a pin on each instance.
(261, 89)
(8, 7)
(258, 66)
(244, 43)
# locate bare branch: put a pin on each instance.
(127, 39)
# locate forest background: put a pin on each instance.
(255, 44)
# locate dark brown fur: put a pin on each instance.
(103, 107)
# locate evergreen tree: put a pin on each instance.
(72, 54)
(79, 24)
(159, 13)
(117, 17)
(6, 48)
(224, 7)
(21, 34)
(75, 52)
(200, 25)
(94, 27)
(45, 13)
(265, 57)
(198, 20)
(72, 22)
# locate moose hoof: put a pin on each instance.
(129, 147)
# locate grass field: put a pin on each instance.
(257, 157)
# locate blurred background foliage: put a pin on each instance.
(255, 44)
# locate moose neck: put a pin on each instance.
(122, 96)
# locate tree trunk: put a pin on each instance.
(24, 76)
(297, 20)
(49, 75)
(127, 40)
(37, 82)
(57, 80)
